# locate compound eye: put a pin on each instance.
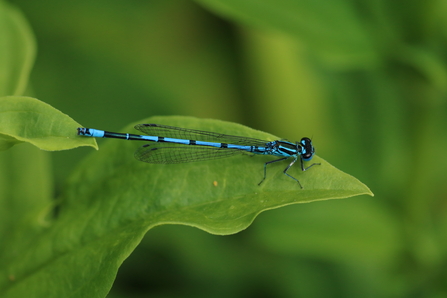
(307, 155)
(306, 142)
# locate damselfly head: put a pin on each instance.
(308, 149)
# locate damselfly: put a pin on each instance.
(179, 145)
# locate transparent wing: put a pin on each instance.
(160, 153)
(198, 135)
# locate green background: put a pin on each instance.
(365, 79)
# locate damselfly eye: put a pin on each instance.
(306, 142)
(307, 156)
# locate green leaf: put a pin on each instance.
(332, 28)
(17, 50)
(219, 196)
(113, 199)
(26, 119)
(26, 196)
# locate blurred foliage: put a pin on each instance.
(367, 79)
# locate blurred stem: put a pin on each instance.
(426, 128)
(284, 84)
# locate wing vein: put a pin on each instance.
(181, 154)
